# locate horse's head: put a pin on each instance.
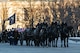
(42, 31)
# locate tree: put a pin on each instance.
(26, 15)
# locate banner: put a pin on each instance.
(12, 19)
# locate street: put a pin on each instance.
(73, 48)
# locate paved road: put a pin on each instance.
(6, 48)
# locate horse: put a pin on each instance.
(21, 37)
(36, 37)
(28, 36)
(53, 36)
(43, 37)
(32, 36)
(49, 35)
(64, 36)
(70, 30)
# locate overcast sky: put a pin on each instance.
(3, 0)
(7, 0)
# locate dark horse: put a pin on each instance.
(70, 30)
(64, 36)
(53, 36)
(43, 37)
(36, 36)
(32, 36)
(28, 36)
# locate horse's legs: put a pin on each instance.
(61, 42)
(35, 42)
(40, 40)
(67, 41)
(43, 42)
(29, 41)
(46, 41)
(21, 42)
(56, 41)
(26, 42)
(49, 42)
(53, 42)
(64, 42)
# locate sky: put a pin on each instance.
(3, 0)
